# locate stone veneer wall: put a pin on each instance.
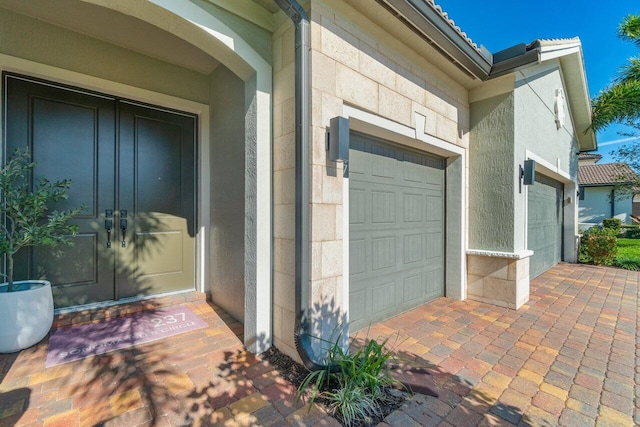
(284, 188)
(497, 280)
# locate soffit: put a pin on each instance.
(269, 5)
(116, 28)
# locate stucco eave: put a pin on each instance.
(578, 97)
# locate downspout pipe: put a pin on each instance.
(302, 140)
(613, 202)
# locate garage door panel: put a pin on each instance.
(435, 208)
(434, 177)
(383, 162)
(383, 297)
(383, 207)
(434, 284)
(413, 248)
(434, 246)
(412, 207)
(396, 230)
(357, 256)
(357, 159)
(545, 224)
(357, 206)
(383, 253)
(357, 305)
(413, 172)
(413, 288)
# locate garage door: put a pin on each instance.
(545, 224)
(396, 217)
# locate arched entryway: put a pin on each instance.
(171, 58)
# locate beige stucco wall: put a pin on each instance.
(28, 38)
(517, 124)
(254, 35)
(553, 147)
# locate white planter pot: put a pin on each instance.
(26, 315)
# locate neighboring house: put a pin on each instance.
(198, 122)
(597, 197)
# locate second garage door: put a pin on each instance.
(545, 218)
(396, 217)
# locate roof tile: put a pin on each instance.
(451, 22)
(606, 173)
(589, 156)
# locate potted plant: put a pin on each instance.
(26, 307)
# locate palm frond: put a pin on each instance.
(629, 29)
(629, 72)
(620, 103)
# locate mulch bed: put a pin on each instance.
(295, 373)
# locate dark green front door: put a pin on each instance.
(137, 162)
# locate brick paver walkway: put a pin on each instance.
(203, 377)
(569, 357)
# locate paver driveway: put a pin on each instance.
(569, 357)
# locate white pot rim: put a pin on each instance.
(44, 283)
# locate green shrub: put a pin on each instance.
(583, 256)
(599, 246)
(353, 403)
(632, 233)
(356, 385)
(632, 264)
(614, 224)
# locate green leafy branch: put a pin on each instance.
(28, 220)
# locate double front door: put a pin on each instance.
(132, 167)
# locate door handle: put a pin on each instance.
(108, 225)
(123, 227)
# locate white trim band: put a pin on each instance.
(497, 254)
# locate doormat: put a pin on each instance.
(79, 342)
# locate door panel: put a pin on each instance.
(157, 188)
(72, 135)
(68, 132)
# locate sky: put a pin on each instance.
(498, 24)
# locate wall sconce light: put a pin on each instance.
(338, 144)
(527, 173)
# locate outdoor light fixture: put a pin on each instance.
(338, 143)
(528, 173)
